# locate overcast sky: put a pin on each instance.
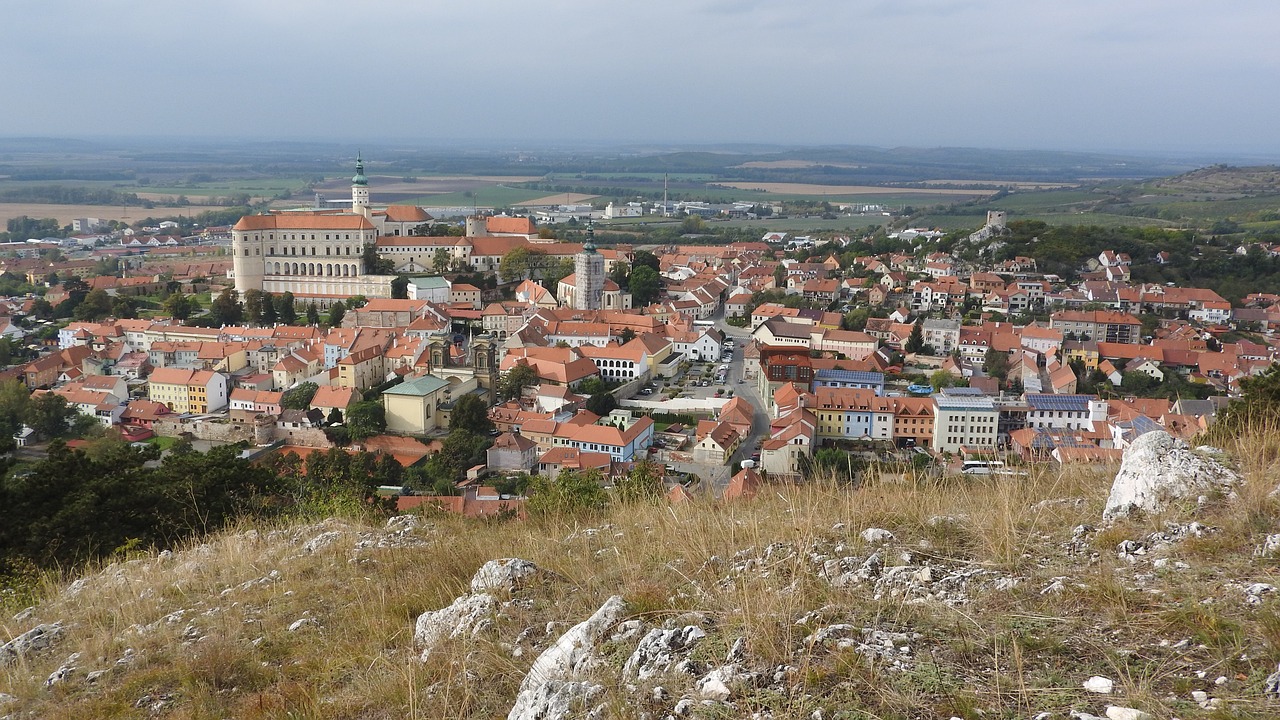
(1172, 75)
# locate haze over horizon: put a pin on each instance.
(1172, 77)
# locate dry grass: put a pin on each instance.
(1009, 653)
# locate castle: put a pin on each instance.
(318, 254)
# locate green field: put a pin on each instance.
(491, 196)
(255, 186)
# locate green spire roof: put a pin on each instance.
(359, 179)
(590, 245)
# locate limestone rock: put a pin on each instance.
(549, 684)
(660, 651)
(456, 620)
(1099, 684)
(34, 640)
(556, 700)
(504, 575)
(1159, 468)
(1117, 712)
(1271, 686)
(1269, 547)
(876, 535)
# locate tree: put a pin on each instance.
(520, 263)
(642, 484)
(400, 288)
(602, 403)
(570, 493)
(626, 335)
(374, 265)
(253, 301)
(285, 310)
(356, 302)
(996, 364)
(553, 273)
(313, 314)
(124, 307)
(440, 261)
(780, 276)
(366, 419)
(856, 319)
(915, 343)
(644, 258)
(42, 309)
(299, 396)
(470, 414)
(95, 306)
(48, 415)
(942, 379)
(621, 275)
(226, 309)
(269, 315)
(645, 286)
(337, 311)
(515, 379)
(334, 417)
(180, 306)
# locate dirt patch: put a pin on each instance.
(561, 199)
(1021, 184)
(811, 189)
(64, 214)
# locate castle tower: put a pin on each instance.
(360, 190)
(588, 267)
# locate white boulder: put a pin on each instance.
(456, 620)
(876, 535)
(1157, 469)
(504, 575)
(1099, 684)
(552, 676)
(34, 640)
(661, 650)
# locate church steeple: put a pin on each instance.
(590, 245)
(359, 179)
(360, 190)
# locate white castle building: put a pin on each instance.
(318, 254)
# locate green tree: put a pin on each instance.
(621, 275)
(356, 302)
(253, 305)
(460, 450)
(996, 364)
(313, 314)
(337, 311)
(942, 379)
(286, 312)
(95, 306)
(519, 376)
(299, 396)
(366, 419)
(470, 414)
(375, 265)
(400, 288)
(520, 263)
(269, 315)
(180, 306)
(644, 258)
(570, 493)
(645, 286)
(124, 307)
(642, 484)
(602, 403)
(48, 415)
(856, 319)
(915, 343)
(440, 261)
(42, 309)
(554, 272)
(226, 309)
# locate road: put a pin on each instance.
(747, 389)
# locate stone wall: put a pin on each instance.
(205, 430)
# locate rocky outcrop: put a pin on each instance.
(463, 618)
(1159, 469)
(557, 682)
(41, 637)
(505, 575)
(663, 651)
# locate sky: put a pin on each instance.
(1100, 75)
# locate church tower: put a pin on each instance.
(360, 190)
(588, 267)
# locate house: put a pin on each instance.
(964, 420)
(745, 485)
(512, 452)
(188, 391)
(622, 444)
(716, 442)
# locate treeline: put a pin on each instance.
(69, 195)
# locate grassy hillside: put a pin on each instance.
(998, 598)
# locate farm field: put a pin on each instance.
(813, 189)
(64, 214)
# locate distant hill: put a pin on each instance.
(1220, 180)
